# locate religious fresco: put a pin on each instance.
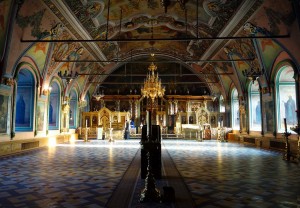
(212, 15)
(73, 110)
(81, 81)
(240, 66)
(137, 23)
(38, 52)
(275, 19)
(287, 106)
(269, 51)
(23, 106)
(40, 116)
(255, 108)
(5, 7)
(3, 113)
(268, 114)
(235, 111)
(143, 32)
(34, 21)
(54, 107)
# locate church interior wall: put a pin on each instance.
(17, 54)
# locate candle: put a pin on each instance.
(285, 127)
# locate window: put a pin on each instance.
(73, 110)
(54, 106)
(286, 98)
(25, 101)
(235, 113)
(254, 106)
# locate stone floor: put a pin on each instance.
(88, 174)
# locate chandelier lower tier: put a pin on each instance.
(152, 85)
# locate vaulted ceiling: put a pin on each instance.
(109, 42)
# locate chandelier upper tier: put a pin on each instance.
(152, 85)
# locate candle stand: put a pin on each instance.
(287, 154)
(86, 139)
(297, 130)
(286, 134)
(110, 135)
(150, 192)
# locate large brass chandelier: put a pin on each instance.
(152, 85)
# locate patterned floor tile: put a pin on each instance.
(86, 174)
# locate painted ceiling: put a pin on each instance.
(181, 34)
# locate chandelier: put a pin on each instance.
(252, 73)
(99, 94)
(68, 76)
(152, 85)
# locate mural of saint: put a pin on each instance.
(258, 113)
(20, 116)
(40, 116)
(3, 114)
(50, 113)
(290, 114)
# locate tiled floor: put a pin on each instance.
(86, 174)
(231, 175)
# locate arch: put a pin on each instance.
(110, 69)
(285, 97)
(235, 112)
(25, 100)
(54, 106)
(254, 106)
(73, 109)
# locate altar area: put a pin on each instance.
(103, 124)
(197, 122)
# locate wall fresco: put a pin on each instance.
(3, 113)
(38, 52)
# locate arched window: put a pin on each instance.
(254, 106)
(235, 113)
(286, 98)
(54, 106)
(73, 110)
(25, 101)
